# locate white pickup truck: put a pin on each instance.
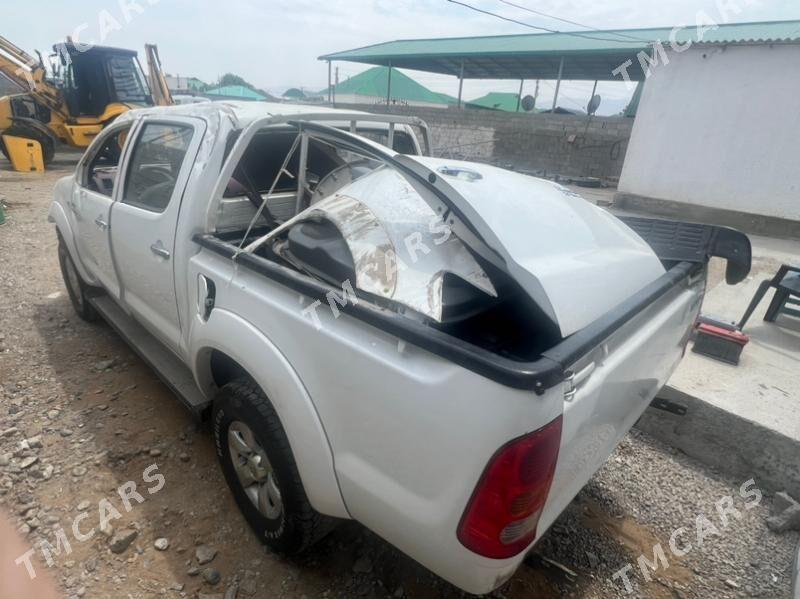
(443, 351)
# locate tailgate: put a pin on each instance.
(609, 388)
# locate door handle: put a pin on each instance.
(160, 251)
(101, 223)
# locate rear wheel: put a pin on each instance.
(29, 132)
(259, 467)
(77, 289)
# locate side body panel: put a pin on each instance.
(410, 432)
(241, 341)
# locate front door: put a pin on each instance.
(91, 206)
(145, 218)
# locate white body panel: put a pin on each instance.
(383, 431)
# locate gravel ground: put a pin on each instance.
(81, 415)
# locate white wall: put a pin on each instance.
(720, 127)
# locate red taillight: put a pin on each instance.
(501, 517)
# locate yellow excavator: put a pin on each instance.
(84, 90)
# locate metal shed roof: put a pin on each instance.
(588, 55)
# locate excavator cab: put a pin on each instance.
(73, 99)
(96, 77)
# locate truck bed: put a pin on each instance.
(684, 248)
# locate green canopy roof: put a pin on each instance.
(506, 101)
(588, 55)
(236, 91)
(375, 81)
(294, 93)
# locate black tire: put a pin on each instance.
(298, 525)
(28, 132)
(77, 289)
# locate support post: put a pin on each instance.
(519, 95)
(389, 87)
(460, 83)
(390, 140)
(558, 82)
(301, 173)
(330, 84)
(335, 85)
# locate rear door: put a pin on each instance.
(91, 201)
(145, 219)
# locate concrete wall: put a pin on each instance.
(541, 143)
(375, 101)
(719, 127)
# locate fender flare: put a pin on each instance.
(58, 216)
(262, 360)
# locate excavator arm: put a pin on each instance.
(27, 72)
(155, 77)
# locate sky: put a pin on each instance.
(274, 44)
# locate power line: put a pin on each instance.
(510, 20)
(564, 97)
(544, 14)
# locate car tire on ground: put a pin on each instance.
(77, 289)
(259, 467)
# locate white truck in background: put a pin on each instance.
(443, 351)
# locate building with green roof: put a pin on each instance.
(375, 85)
(235, 92)
(505, 101)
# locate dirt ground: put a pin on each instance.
(81, 415)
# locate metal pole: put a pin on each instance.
(536, 94)
(301, 174)
(519, 95)
(335, 85)
(594, 89)
(389, 87)
(558, 82)
(330, 84)
(460, 83)
(390, 141)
